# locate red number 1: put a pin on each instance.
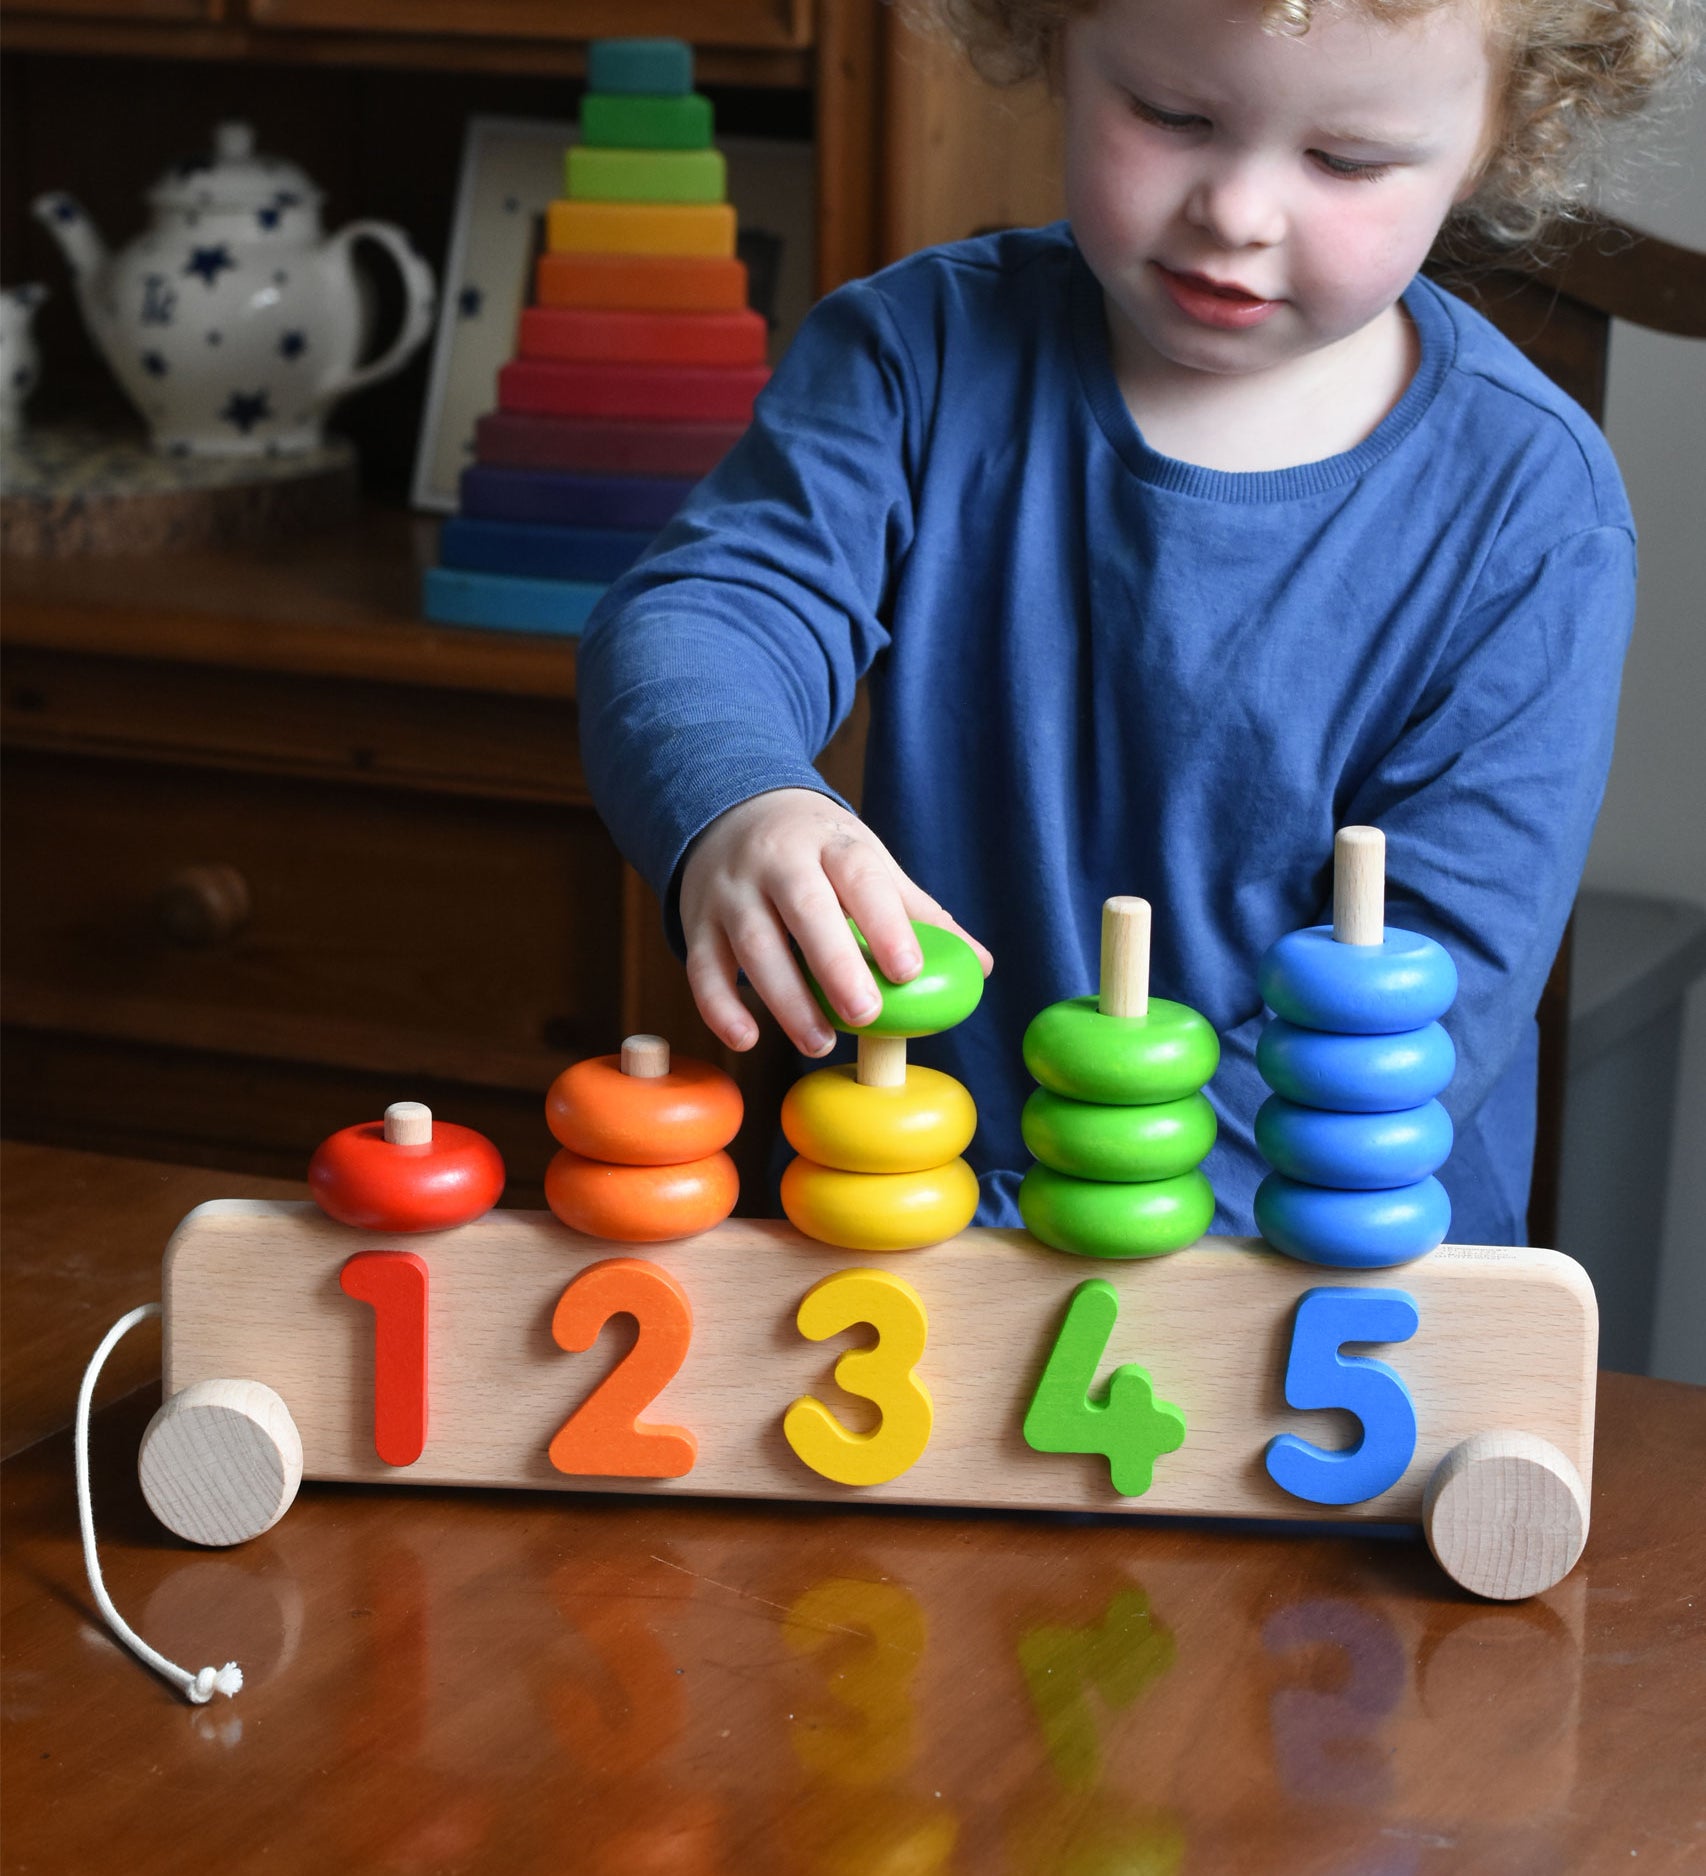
(395, 1283)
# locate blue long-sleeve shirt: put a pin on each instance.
(1095, 669)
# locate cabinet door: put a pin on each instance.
(292, 919)
(754, 23)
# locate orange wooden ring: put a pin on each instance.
(641, 1204)
(644, 1120)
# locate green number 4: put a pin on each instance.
(1128, 1425)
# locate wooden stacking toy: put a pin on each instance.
(635, 369)
(995, 1376)
(992, 1373)
(1120, 1125)
(641, 1139)
(879, 1141)
(1355, 1056)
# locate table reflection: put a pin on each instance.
(699, 1689)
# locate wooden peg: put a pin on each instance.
(408, 1123)
(1125, 957)
(645, 1057)
(221, 1461)
(882, 1062)
(1359, 886)
(1506, 1514)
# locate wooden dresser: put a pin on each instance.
(276, 854)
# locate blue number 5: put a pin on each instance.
(1317, 1375)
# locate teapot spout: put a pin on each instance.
(63, 217)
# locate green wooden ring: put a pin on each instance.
(1094, 1219)
(944, 992)
(1091, 1140)
(1125, 1061)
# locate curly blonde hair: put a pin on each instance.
(1572, 71)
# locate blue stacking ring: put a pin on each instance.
(1355, 1074)
(1402, 983)
(1352, 1230)
(1362, 1152)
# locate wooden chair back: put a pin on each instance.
(1558, 311)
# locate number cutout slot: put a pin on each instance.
(882, 1374)
(395, 1284)
(1317, 1375)
(1129, 1427)
(604, 1437)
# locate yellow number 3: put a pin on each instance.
(881, 1374)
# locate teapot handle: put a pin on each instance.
(418, 287)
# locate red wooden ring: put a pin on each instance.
(360, 1178)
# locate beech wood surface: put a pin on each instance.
(1507, 1340)
(443, 1680)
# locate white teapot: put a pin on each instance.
(20, 363)
(230, 322)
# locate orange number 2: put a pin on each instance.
(604, 1436)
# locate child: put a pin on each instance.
(1171, 539)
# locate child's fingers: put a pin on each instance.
(819, 924)
(711, 973)
(761, 949)
(921, 906)
(867, 882)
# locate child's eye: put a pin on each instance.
(1348, 168)
(1165, 120)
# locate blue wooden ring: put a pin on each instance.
(1403, 982)
(1355, 1074)
(1361, 1152)
(1352, 1230)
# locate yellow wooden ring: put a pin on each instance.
(879, 1211)
(830, 1118)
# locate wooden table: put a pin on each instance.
(462, 1681)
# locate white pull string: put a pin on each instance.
(201, 1687)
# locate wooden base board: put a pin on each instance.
(1506, 1341)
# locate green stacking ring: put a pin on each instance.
(944, 992)
(1091, 1140)
(1128, 1061)
(1093, 1219)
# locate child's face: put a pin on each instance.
(1312, 172)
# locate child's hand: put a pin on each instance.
(791, 862)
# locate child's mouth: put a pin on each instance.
(1229, 307)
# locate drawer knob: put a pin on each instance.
(203, 905)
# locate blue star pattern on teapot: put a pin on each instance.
(232, 323)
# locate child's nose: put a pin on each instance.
(1238, 206)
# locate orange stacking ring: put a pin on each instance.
(641, 1204)
(657, 1120)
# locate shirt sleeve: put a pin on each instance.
(721, 665)
(1488, 801)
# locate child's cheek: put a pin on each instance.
(1366, 256)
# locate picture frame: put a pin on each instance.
(511, 171)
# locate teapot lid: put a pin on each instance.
(234, 177)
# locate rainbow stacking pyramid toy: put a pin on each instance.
(637, 363)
